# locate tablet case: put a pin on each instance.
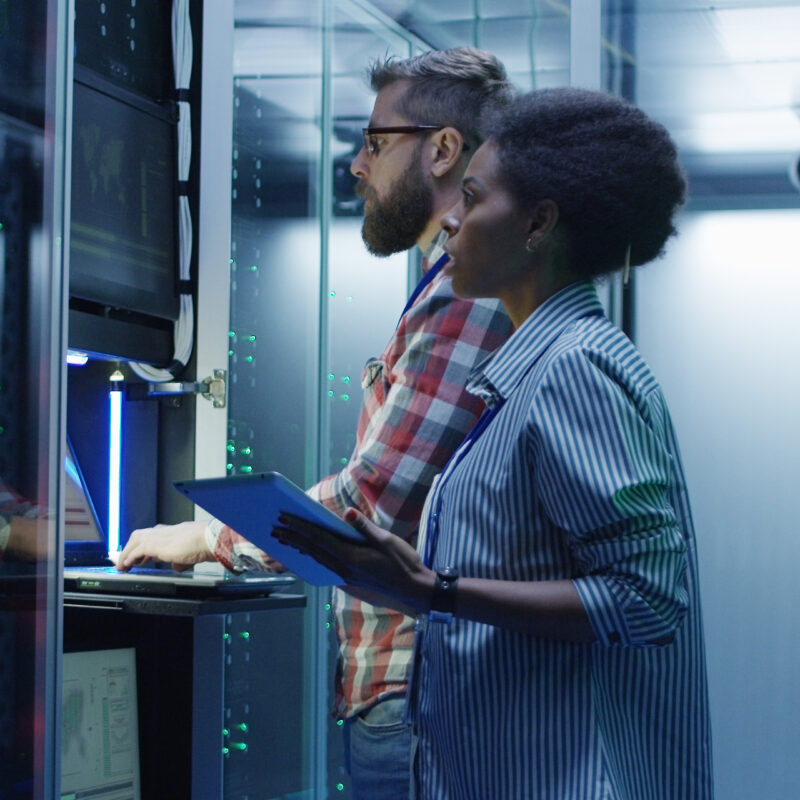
(251, 504)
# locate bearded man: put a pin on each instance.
(425, 122)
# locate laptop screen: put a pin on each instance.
(85, 542)
(99, 725)
(81, 519)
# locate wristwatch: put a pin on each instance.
(443, 600)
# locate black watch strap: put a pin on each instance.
(443, 600)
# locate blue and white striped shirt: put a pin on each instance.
(578, 476)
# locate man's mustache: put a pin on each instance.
(364, 192)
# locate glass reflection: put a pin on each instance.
(26, 524)
(22, 532)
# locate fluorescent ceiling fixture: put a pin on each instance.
(278, 51)
(760, 34)
(762, 47)
(776, 131)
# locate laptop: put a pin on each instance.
(88, 568)
(84, 540)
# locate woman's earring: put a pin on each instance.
(530, 246)
(626, 267)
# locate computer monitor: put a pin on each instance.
(99, 725)
(123, 247)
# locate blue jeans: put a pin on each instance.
(377, 751)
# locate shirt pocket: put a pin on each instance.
(373, 371)
(374, 382)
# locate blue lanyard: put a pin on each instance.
(426, 279)
(480, 426)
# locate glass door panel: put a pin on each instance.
(31, 164)
(364, 293)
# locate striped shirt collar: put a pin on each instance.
(497, 376)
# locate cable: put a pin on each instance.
(183, 338)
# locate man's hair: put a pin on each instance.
(456, 88)
(612, 171)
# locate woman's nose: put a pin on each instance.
(449, 222)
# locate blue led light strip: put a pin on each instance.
(114, 465)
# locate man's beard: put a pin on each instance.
(395, 223)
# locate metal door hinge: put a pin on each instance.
(213, 388)
(216, 386)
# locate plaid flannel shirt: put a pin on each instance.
(13, 504)
(415, 412)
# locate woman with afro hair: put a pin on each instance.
(560, 648)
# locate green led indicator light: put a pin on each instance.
(330, 394)
(226, 636)
(242, 726)
(1, 226)
(349, 298)
(231, 334)
(225, 751)
(247, 468)
(225, 731)
(332, 294)
(345, 397)
(245, 634)
(247, 450)
(240, 746)
(343, 461)
(230, 353)
(249, 359)
(254, 268)
(229, 467)
(251, 338)
(340, 722)
(230, 448)
(339, 787)
(327, 606)
(331, 376)
(327, 626)
(346, 379)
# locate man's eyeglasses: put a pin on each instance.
(372, 144)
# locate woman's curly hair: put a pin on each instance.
(612, 171)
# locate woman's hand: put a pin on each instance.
(382, 563)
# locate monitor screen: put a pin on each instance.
(99, 725)
(80, 518)
(123, 249)
(85, 540)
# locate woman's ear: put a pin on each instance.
(543, 220)
(448, 146)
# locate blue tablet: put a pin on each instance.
(251, 504)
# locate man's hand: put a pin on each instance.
(182, 545)
(27, 539)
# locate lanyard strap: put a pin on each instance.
(426, 279)
(432, 526)
(432, 532)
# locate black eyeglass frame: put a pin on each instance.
(367, 132)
